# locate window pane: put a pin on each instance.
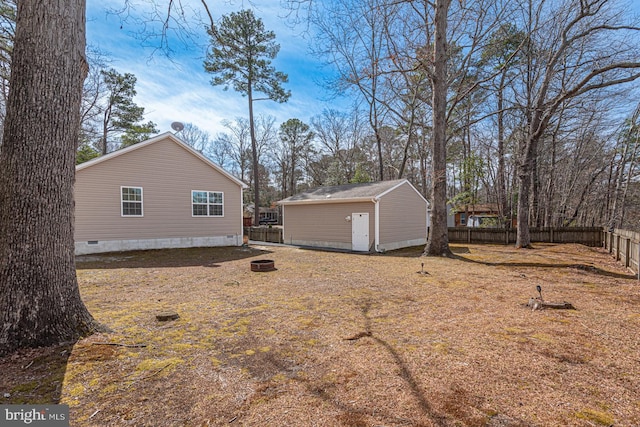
(132, 208)
(133, 194)
(200, 210)
(215, 210)
(215, 197)
(199, 197)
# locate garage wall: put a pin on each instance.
(324, 225)
(403, 218)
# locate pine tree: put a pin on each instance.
(240, 55)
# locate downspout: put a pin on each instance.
(240, 240)
(284, 239)
(376, 203)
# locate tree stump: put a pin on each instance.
(166, 316)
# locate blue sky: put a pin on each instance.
(178, 89)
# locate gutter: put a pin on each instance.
(327, 200)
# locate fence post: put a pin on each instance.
(611, 243)
(627, 257)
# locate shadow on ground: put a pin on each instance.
(457, 251)
(34, 376)
(186, 257)
(581, 267)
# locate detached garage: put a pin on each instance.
(376, 216)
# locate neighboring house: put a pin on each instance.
(473, 215)
(377, 216)
(268, 216)
(156, 194)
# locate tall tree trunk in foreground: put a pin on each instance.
(39, 298)
(438, 243)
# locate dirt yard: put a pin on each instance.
(334, 339)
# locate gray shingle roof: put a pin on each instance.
(367, 190)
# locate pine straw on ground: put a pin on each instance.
(335, 339)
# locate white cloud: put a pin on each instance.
(179, 89)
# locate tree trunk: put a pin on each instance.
(376, 132)
(39, 298)
(525, 172)
(104, 148)
(534, 194)
(254, 153)
(294, 160)
(501, 182)
(410, 132)
(438, 242)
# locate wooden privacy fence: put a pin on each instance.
(624, 245)
(589, 236)
(264, 234)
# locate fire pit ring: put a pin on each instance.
(263, 265)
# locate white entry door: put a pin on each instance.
(360, 232)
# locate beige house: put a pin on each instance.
(156, 194)
(378, 216)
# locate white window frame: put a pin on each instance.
(122, 202)
(208, 204)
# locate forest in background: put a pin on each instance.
(506, 61)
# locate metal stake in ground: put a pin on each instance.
(422, 269)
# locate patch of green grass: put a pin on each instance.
(157, 364)
(598, 417)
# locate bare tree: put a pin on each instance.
(196, 138)
(354, 43)
(438, 241)
(238, 140)
(8, 10)
(626, 167)
(503, 45)
(93, 92)
(574, 46)
(340, 135)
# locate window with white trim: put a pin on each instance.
(207, 203)
(131, 198)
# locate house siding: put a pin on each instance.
(324, 225)
(403, 218)
(167, 173)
